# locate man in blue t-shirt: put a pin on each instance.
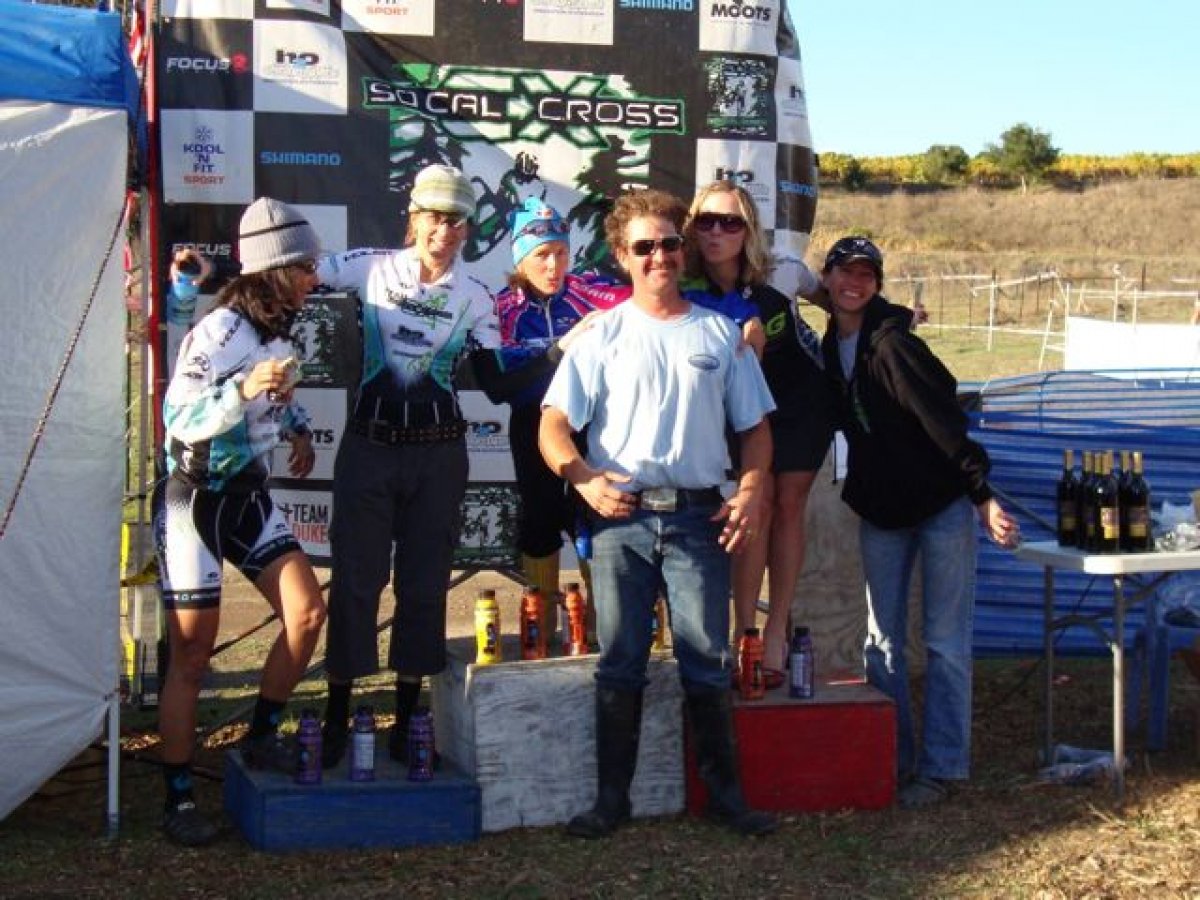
(655, 381)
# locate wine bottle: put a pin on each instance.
(1136, 534)
(1086, 516)
(1108, 522)
(1066, 494)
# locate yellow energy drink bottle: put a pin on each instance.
(487, 629)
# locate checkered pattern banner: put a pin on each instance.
(335, 106)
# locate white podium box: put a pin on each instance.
(526, 731)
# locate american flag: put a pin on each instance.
(137, 35)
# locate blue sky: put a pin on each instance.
(891, 77)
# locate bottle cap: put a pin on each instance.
(751, 632)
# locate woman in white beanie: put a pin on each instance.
(229, 403)
(401, 470)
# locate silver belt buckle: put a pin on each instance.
(659, 499)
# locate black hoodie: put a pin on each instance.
(910, 456)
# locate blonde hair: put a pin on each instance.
(757, 262)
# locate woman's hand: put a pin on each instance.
(276, 376)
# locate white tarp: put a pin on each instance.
(1094, 345)
(63, 169)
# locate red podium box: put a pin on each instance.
(836, 751)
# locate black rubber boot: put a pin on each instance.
(711, 716)
(618, 728)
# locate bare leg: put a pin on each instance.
(290, 586)
(787, 560)
(749, 565)
(192, 633)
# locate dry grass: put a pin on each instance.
(1002, 835)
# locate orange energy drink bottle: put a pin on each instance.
(533, 635)
(487, 629)
(750, 657)
(576, 621)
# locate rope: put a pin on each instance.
(40, 428)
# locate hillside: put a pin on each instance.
(1136, 236)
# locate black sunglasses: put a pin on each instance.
(670, 244)
(727, 222)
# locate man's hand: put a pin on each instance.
(599, 490)
(302, 457)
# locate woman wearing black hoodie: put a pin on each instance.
(913, 476)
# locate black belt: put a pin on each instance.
(672, 499)
(378, 431)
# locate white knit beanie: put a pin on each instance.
(273, 234)
(443, 189)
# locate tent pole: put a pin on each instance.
(114, 762)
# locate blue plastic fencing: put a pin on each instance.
(1025, 423)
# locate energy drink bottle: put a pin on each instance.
(487, 629)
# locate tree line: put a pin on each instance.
(1023, 155)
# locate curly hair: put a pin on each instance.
(638, 204)
(756, 260)
(257, 297)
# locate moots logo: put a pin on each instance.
(739, 10)
(205, 154)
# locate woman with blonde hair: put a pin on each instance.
(728, 252)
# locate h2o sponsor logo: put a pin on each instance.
(739, 10)
(737, 176)
(297, 60)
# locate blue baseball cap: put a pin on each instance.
(534, 223)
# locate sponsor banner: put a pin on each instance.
(207, 156)
(206, 9)
(407, 17)
(312, 7)
(740, 97)
(740, 26)
(299, 67)
(309, 514)
(749, 164)
(791, 103)
(326, 408)
(487, 438)
(795, 186)
(569, 21)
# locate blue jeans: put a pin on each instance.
(947, 544)
(631, 558)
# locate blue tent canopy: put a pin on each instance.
(61, 54)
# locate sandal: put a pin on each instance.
(922, 792)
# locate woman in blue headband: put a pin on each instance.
(541, 311)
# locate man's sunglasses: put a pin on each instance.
(645, 247)
(727, 222)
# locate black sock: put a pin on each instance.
(407, 694)
(337, 706)
(178, 780)
(267, 714)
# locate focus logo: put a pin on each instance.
(239, 63)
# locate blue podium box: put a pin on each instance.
(276, 814)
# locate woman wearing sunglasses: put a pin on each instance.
(401, 470)
(543, 309)
(228, 404)
(728, 252)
